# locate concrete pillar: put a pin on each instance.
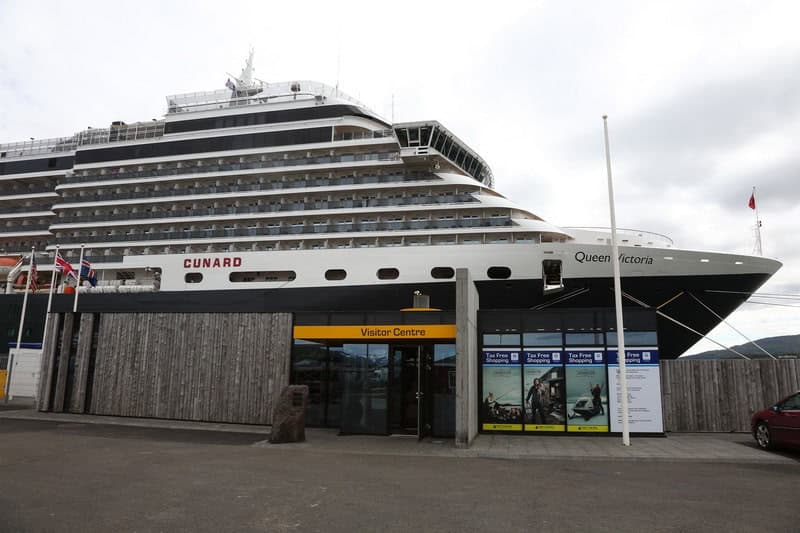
(466, 359)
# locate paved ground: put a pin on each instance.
(58, 475)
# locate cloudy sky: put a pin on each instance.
(703, 98)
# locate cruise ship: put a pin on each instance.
(299, 195)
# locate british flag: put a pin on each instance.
(64, 267)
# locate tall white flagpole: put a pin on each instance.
(21, 325)
(78, 286)
(50, 296)
(623, 375)
(758, 249)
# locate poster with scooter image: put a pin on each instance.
(587, 390)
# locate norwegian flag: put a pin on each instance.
(87, 272)
(34, 274)
(64, 267)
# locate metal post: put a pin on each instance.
(623, 377)
(19, 333)
(78, 285)
(50, 296)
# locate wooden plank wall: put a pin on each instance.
(720, 395)
(219, 367)
(49, 348)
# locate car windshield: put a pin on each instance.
(793, 402)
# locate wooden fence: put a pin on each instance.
(720, 395)
(219, 367)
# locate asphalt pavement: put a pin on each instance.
(66, 475)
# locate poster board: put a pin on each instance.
(587, 390)
(643, 370)
(501, 405)
(544, 389)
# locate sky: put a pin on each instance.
(703, 98)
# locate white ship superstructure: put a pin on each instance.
(297, 185)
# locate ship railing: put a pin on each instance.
(121, 133)
(258, 93)
(291, 229)
(275, 208)
(118, 133)
(359, 135)
(216, 189)
(23, 227)
(27, 190)
(116, 174)
(27, 209)
(649, 236)
(38, 146)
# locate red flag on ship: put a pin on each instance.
(752, 203)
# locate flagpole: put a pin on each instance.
(50, 296)
(78, 287)
(623, 375)
(19, 333)
(758, 250)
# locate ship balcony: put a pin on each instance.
(26, 210)
(25, 231)
(29, 196)
(189, 193)
(40, 176)
(341, 230)
(266, 210)
(231, 169)
(24, 227)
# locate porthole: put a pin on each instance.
(498, 272)
(335, 274)
(193, 277)
(388, 273)
(442, 272)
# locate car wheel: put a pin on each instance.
(763, 437)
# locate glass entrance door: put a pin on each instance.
(410, 378)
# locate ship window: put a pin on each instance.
(193, 277)
(442, 272)
(335, 274)
(498, 272)
(388, 273)
(269, 275)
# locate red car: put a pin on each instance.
(778, 425)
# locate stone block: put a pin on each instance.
(289, 416)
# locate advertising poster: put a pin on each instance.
(587, 390)
(644, 390)
(501, 405)
(543, 379)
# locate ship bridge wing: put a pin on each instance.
(429, 139)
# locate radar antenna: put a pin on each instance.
(244, 85)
